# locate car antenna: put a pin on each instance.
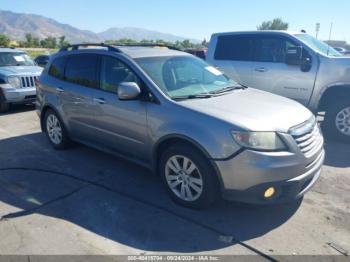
(329, 39)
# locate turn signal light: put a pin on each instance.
(269, 192)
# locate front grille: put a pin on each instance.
(308, 137)
(28, 81)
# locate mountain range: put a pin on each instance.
(17, 25)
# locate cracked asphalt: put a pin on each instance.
(82, 201)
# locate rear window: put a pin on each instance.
(83, 70)
(232, 47)
(57, 68)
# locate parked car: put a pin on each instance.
(18, 74)
(42, 60)
(202, 132)
(341, 50)
(199, 52)
(295, 65)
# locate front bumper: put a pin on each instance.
(17, 95)
(246, 176)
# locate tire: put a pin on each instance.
(337, 121)
(55, 130)
(204, 194)
(4, 107)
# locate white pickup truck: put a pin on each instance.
(291, 64)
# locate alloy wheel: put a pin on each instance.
(54, 129)
(342, 121)
(184, 178)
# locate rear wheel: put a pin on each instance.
(4, 107)
(337, 121)
(189, 177)
(55, 130)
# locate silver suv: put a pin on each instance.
(201, 132)
(291, 64)
(18, 74)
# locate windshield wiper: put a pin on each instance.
(228, 89)
(192, 96)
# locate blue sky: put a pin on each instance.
(192, 18)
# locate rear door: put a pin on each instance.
(272, 74)
(233, 55)
(121, 125)
(78, 93)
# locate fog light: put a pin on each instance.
(269, 192)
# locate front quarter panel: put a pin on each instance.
(172, 120)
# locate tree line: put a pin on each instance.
(58, 42)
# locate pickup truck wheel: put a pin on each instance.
(4, 107)
(55, 130)
(189, 177)
(337, 121)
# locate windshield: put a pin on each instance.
(15, 59)
(180, 76)
(318, 45)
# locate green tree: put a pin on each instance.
(36, 42)
(62, 41)
(275, 24)
(29, 40)
(186, 44)
(49, 42)
(4, 40)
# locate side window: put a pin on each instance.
(57, 68)
(234, 47)
(83, 70)
(272, 49)
(114, 72)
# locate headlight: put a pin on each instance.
(14, 82)
(259, 140)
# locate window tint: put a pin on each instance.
(57, 67)
(114, 72)
(231, 47)
(83, 70)
(272, 49)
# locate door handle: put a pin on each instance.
(59, 90)
(261, 69)
(99, 100)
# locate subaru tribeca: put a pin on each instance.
(204, 134)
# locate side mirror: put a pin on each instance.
(294, 55)
(128, 91)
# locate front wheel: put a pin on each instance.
(55, 130)
(337, 121)
(189, 177)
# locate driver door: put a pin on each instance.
(121, 125)
(272, 74)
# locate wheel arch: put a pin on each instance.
(169, 140)
(333, 93)
(43, 113)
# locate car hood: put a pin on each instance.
(252, 109)
(20, 70)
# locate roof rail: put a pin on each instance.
(76, 47)
(150, 45)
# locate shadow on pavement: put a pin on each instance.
(337, 154)
(18, 108)
(119, 200)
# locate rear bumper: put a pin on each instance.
(246, 177)
(18, 95)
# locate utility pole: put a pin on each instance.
(317, 29)
(330, 35)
